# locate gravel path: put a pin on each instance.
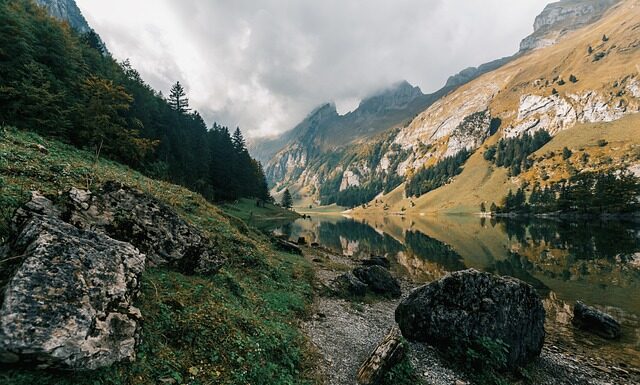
(345, 333)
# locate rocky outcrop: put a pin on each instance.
(66, 10)
(379, 280)
(561, 17)
(468, 305)
(593, 320)
(154, 228)
(470, 133)
(69, 304)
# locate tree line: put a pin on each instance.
(513, 153)
(589, 192)
(66, 86)
(430, 178)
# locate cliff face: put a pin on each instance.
(561, 17)
(66, 10)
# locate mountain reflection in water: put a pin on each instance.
(597, 262)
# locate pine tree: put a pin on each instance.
(287, 200)
(494, 207)
(238, 141)
(178, 99)
(483, 208)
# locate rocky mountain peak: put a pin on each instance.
(399, 95)
(66, 10)
(558, 18)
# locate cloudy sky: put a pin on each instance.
(264, 64)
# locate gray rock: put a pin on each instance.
(156, 229)
(561, 17)
(593, 320)
(467, 305)
(347, 285)
(379, 280)
(69, 304)
(68, 11)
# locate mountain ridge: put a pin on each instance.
(442, 128)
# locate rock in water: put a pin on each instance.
(593, 320)
(156, 229)
(69, 304)
(468, 305)
(379, 280)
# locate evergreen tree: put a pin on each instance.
(287, 200)
(483, 208)
(63, 84)
(178, 99)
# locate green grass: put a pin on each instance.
(240, 326)
(259, 217)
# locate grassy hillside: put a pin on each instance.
(262, 216)
(481, 181)
(237, 327)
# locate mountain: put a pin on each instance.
(561, 17)
(66, 10)
(584, 90)
(535, 89)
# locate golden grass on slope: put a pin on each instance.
(539, 73)
(535, 72)
(481, 181)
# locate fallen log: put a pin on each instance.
(383, 358)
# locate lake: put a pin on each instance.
(592, 261)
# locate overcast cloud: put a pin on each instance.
(264, 64)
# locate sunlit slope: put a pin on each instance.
(583, 89)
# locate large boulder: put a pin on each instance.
(467, 306)
(377, 260)
(154, 228)
(593, 320)
(347, 285)
(69, 303)
(379, 280)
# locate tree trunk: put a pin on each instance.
(385, 356)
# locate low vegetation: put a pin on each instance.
(239, 326)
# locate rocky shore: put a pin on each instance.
(345, 332)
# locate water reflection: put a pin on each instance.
(596, 262)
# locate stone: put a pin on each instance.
(154, 228)
(469, 305)
(593, 320)
(347, 285)
(379, 280)
(377, 260)
(69, 304)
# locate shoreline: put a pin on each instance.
(345, 331)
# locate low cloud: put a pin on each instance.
(263, 65)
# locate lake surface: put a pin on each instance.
(592, 261)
